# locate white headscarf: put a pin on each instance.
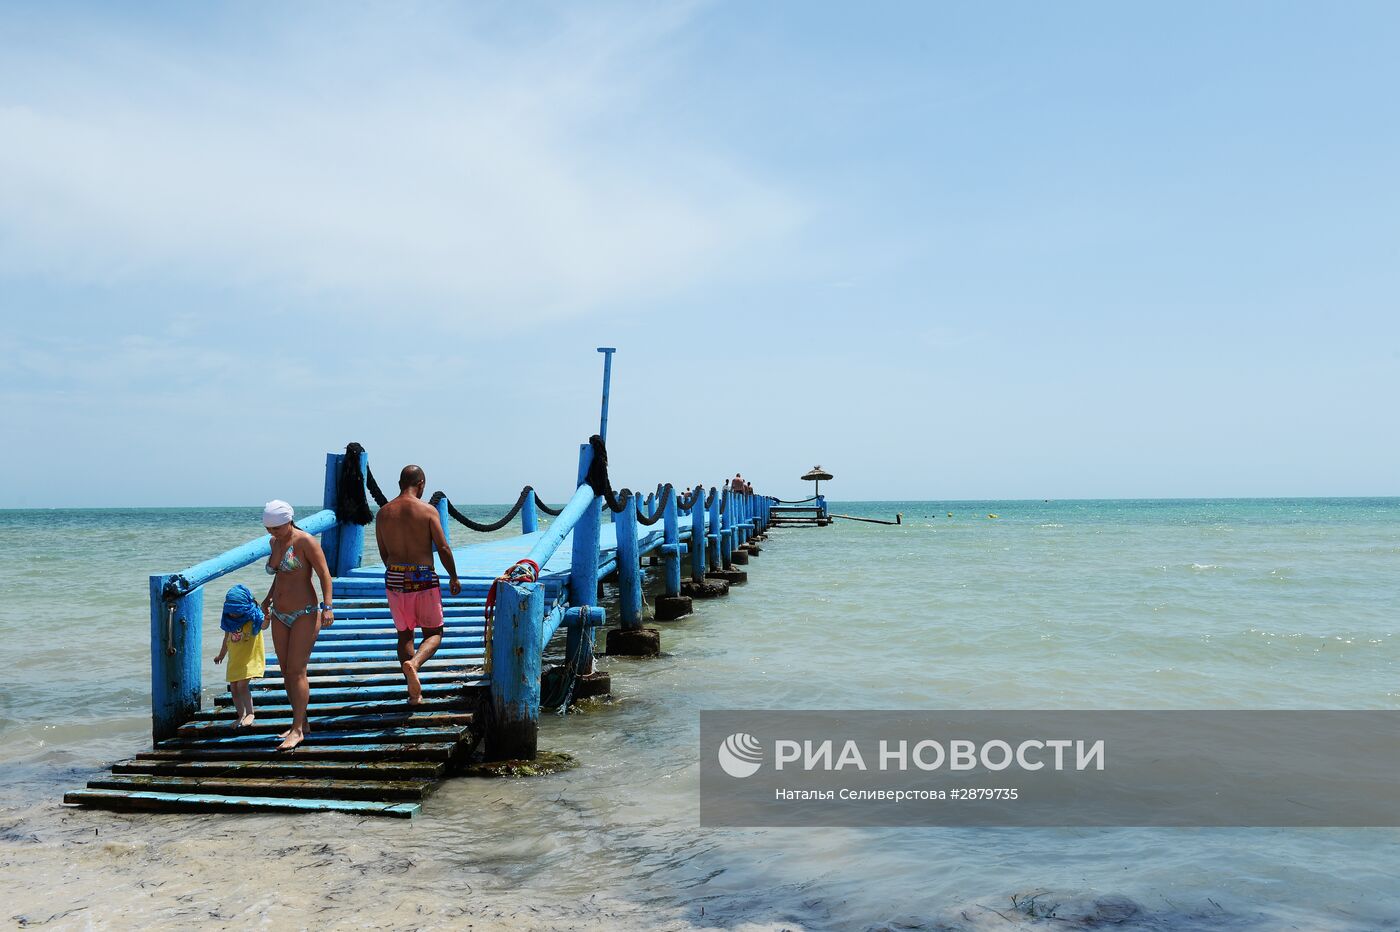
(277, 513)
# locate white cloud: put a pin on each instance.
(420, 159)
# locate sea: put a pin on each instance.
(1210, 604)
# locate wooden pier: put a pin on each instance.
(368, 751)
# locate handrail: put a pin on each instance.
(260, 548)
(560, 527)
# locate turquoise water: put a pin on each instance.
(1121, 604)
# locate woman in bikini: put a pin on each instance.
(291, 605)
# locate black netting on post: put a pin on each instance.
(350, 503)
(597, 477)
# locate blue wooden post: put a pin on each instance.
(672, 552)
(698, 544)
(176, 645)
(529, 518)
(726, 532)
(629, 565)
(344, 543)
(607, 352)
(712, 539)
(583, 568)
(517, 633)
(741, 517)
(445, 518)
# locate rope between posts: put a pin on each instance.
(477, 526)
(800, 501)
(663, 498)
(552, 512)
(374, 488)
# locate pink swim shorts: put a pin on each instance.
(422, 609)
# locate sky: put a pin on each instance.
(946, 250)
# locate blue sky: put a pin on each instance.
(946, 250)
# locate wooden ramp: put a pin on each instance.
(368, 751)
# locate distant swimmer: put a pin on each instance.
(950, 514)
(993, 516)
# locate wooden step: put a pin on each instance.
(392, 790)
(368, 679)
(361, 693)
(433, 751)
(316, 709)
(286, 766)
(387, 735)
(376, 654)
(463, 669)
(125, 800)
(359, 639)
(407, 717)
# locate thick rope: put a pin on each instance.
(496, 525)
(663, 497)
(783, 501)
(525, 571)
(711, 500)
(374, 489)
(552, 512)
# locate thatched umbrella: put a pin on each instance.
(817, 474)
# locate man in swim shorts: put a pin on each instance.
(408, 530)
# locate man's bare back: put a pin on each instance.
(408, 530)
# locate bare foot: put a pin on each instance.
(415, 688)
(306, 730)
(246, 720)
(293, 738)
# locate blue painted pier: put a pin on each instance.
(368, 752)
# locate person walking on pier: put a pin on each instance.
(408, 530)
(291, 603)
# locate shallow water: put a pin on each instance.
(1218, 604)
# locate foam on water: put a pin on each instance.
(1249, 604)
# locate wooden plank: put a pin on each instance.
(366, 693)
(389, 735)
(285, 766)
(464, 669)
(470, 655)
(406, 716)
(208, 802)
(346, 752)
(361, 638)
(226, 713)
(263, 786)
(371, 679)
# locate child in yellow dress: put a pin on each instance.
(242, 623)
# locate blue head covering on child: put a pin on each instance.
(240, 608)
